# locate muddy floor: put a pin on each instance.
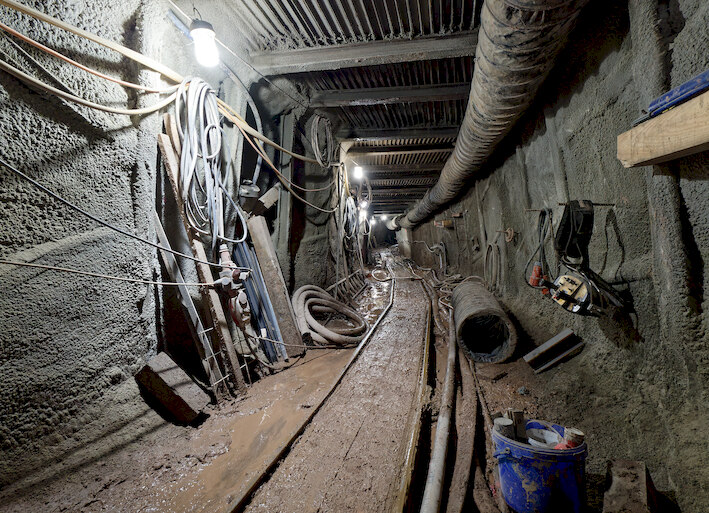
(179, 468)
(351, 455)
(186, 469)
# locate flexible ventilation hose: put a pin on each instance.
(309, 300)
(517, 45)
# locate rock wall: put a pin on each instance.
(639, 389)
(70, 344)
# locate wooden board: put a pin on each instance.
(204, 271)
(676, 133)
(536, 354)
(275, 284)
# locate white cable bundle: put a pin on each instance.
(324, 156)
(202, 169)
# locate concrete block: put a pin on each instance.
(173, 388)
(629, 488)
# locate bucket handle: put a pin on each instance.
(506, 453)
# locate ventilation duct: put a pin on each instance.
(517, 45)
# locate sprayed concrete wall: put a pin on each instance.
(637, 394)
(69, 344)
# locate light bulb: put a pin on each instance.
(384, 217)
(364, 204)
(358, 173)
(205, 45)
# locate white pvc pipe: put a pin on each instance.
(436, 468)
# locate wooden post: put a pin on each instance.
(204, 271)
(275, 284)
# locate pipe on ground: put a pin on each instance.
(484, 331)
(436, 469)
(518, 43)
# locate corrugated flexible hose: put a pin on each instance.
(518, 43)
(309, 300)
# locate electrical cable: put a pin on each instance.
(285, 181)
(135, 56)
(238, 120)
(52, 76)
(201, 161)
(108, 276)
(36, 44)
(324, 156)
(109, 225)
(544, 225)
(12, 70)
(235, 78)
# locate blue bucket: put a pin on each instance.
(540, 480)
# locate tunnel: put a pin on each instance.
(354, 256)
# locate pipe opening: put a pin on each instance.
(484, 331)
(484, 338)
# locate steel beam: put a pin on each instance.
(398, 192)
(324, 58)
(399, 176)
(399, 150)
(403, 182)
(389, 95)
(399, 169)
(388, 134)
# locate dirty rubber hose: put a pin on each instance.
(310, 299)
(517, 45)
(484, 331)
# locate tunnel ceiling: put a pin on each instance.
(393, 76)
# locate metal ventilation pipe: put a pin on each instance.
(517, 45)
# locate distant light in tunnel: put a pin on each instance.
(384, 217)
(373, 222)
(364, 204)
(205, 46)
(358, 173)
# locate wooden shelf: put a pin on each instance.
(676, 133)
